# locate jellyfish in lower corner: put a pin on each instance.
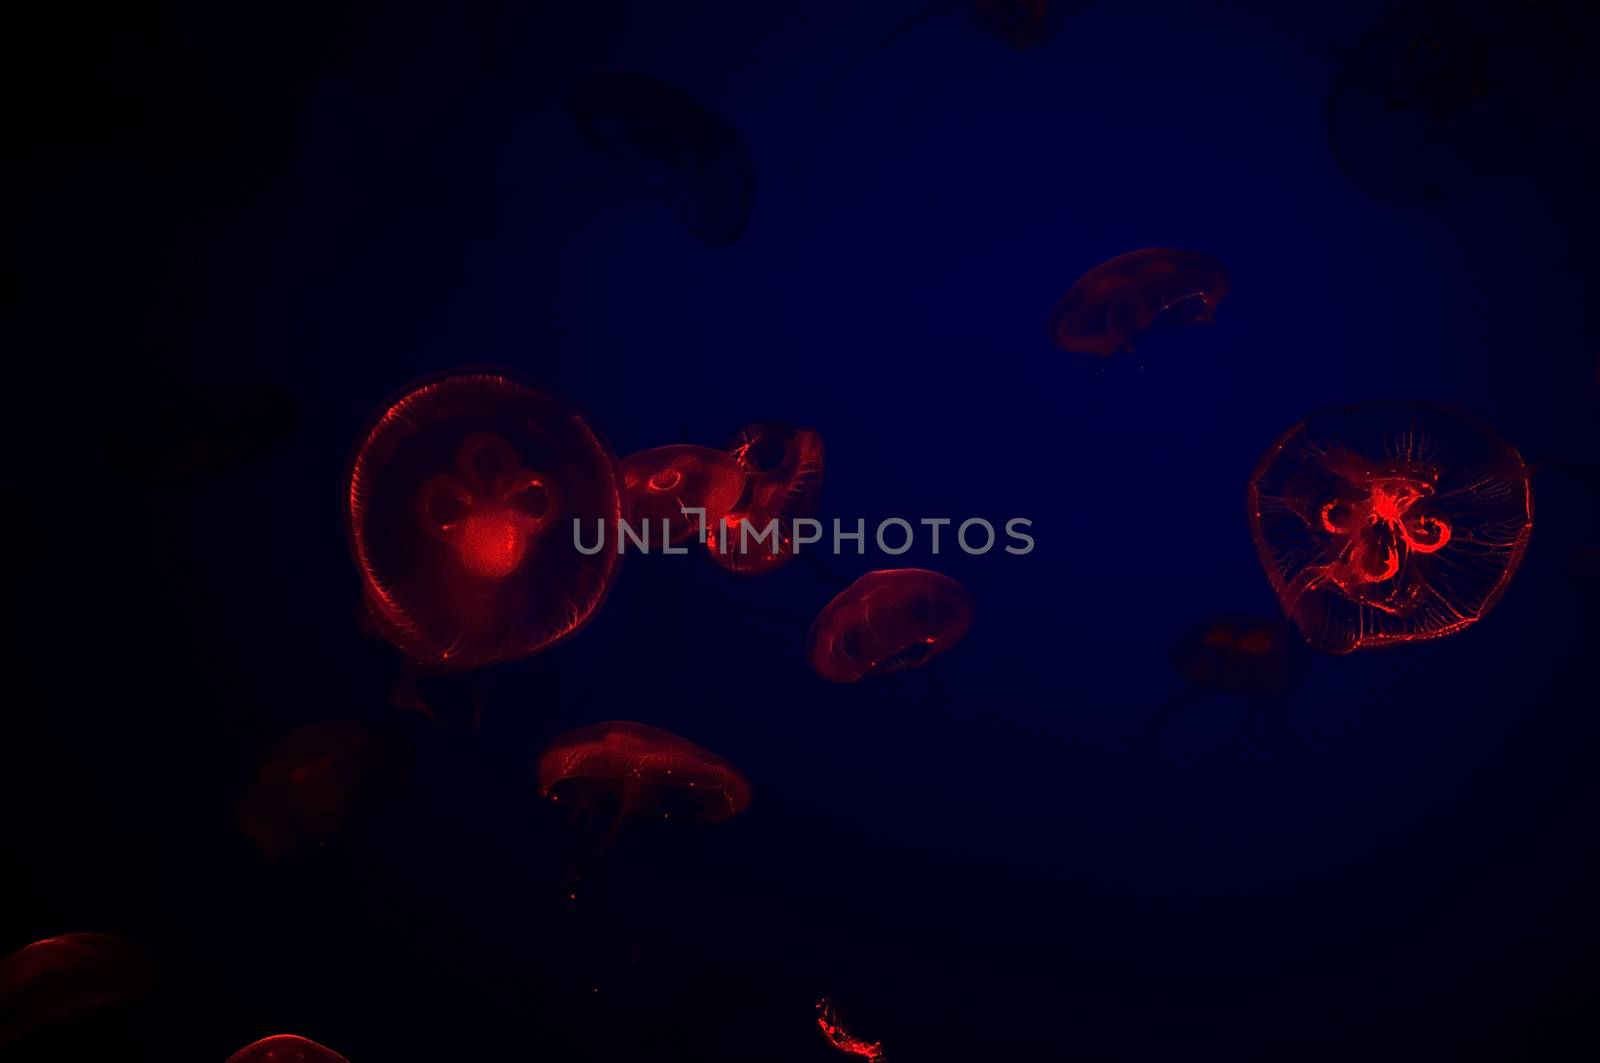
(58, 978)
(1113, 306)
(782, 482)
(842, 1039)
(663, 144)
(311, 783)
(463, 499)
(1389, 523)
(285, 1048)
(888, 621)
(665, 484)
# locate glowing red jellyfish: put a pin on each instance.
(888, 621)
(627, 769)
(783, 478)
(61, 977)
(664, 483)
(286, 1048)
(1113, 305)
(462, 502)
(842, 1039)
(315, 779)
(1388, 523)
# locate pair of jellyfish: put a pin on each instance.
(768, 473)
(1389, 523)
(1110, 309)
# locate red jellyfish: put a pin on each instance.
(315, 779)
(467, 495)
(1112, 306)
(888, 621)
(663, 484)
(1238, 654)
(61, 977)
(286, 1048)
(1388, 523)
(842, 1039)
(783, 478)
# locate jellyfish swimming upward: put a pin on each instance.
(888, 621)
(462, 498)
(782, 468)
(1389, 523)
(1113, 306)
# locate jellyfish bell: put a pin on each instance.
(1113, 306)
(782, 484)
(308, 785)
(462, 499)
(286, 1048)
(1388, 523)
(1238, 654)
(671, 148)
(888, 621)
(841, 1038)
(664, 484)
(58, 978)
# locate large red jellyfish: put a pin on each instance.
(625, 769)
(286, 1048)
(465, 498)
(665, 483)
(1388, 523)
(888, 621)
(842, 1039)
(1112, 306)
(61, 977)
(309, 784)
(783, 478)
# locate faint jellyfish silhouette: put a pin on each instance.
(162, 434)
(1388, 523)
(665, 145)
(782, 484)
(1113, 306)
(1021, 23)
(464, 496)
(308, 785)
(1238, 654)
(842, 1039)
(664, 483)
(888, 621)
(59, 978)
(285, 1048)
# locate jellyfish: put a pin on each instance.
(663, 484)
(842, 1039)
(464, 501)
(664, 145)
(888, 621)
(1020, 23)
(61, 977)
(1111, 307)
(782, 482)
(310, 783)
(168, 436)
(285, 1048)
(1388, 523)
(1238, 654)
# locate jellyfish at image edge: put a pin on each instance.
(1020, 23)
(286, 1048)
(888, 621)
(664, 145)
(782, 482)
(461, 508)
(308, 785)
(842, 1039)
(1240, 655)
(1113, 306)
(1387, 523)
(56, 979)
(663, 484)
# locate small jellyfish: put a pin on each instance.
(1240, 655)
(286, 1048)
(1387, 523)
(310, 783)
(842, 1039)
(1114, 305)
(665, 145)
(464, 497)
(782, 483)
(61, 977)
(663, 484)
(1020, 23)
(888, 621)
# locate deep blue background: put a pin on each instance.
(979, 860)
